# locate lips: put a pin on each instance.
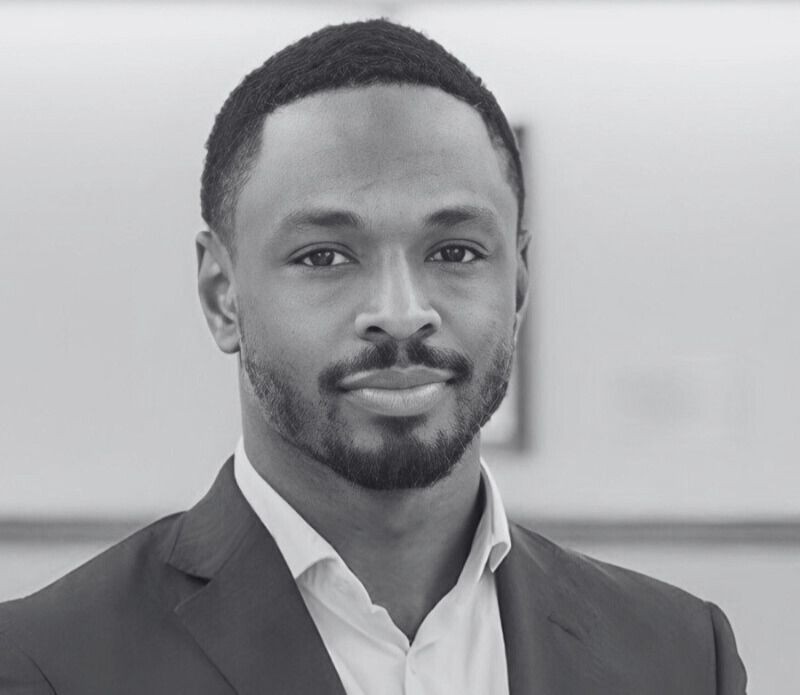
(407, 378)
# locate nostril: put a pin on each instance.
(426, 330)
(399, 325)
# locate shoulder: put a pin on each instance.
(625, 616)
(127, 580)
(590, 577)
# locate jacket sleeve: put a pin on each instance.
(19, 675)
(731, 676)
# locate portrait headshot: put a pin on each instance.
(399, 349)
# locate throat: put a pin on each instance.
(409, 612)
(410, 577)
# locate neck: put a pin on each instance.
(406, 546)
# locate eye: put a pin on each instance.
(322, 258)
(456, 253)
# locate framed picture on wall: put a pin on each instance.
(509, 427)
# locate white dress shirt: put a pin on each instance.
(459, 646)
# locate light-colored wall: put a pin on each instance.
(664, 178)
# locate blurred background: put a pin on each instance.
(658, 400)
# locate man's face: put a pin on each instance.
(375, 274)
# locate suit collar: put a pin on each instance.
(248, 617)
(211, 530)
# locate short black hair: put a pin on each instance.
(357, 54)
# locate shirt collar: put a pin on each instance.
(499, 536)
(302, 546)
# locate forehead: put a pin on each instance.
(382, 150)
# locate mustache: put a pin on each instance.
(388, 354)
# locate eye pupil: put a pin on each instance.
(326, 257)
(454, 254)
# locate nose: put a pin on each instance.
(396, 306)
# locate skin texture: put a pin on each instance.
(391, 281)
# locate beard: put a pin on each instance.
(402, 459)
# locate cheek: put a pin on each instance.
(278, 337)
(485, 317)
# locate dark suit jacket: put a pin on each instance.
(202, 603)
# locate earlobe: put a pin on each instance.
(217, 291)
(522, 288)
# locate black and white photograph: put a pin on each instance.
(400, 348)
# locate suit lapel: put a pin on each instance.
(547, 624)
(249, 618)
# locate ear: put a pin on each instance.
(217, 291)
(523, 280)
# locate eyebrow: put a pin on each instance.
(334, 218)
(324, 217)
(458, 214)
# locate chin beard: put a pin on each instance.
(402, 460)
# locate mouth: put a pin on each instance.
(405, 402)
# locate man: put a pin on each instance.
(366, 260)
